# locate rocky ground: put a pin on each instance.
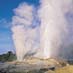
(34, 65)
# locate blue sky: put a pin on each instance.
(6, 13)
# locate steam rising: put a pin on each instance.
(23, 33)
(53, 28)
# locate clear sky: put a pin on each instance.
(6, 13)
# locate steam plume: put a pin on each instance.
(23, 33)
(54, 28)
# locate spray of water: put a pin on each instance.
(23, 34)
(53, 30)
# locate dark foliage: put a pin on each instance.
(9, 56)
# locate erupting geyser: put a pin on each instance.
(53, 28)
(21, 33)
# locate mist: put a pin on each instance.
(24, 32)
(44, 32)
(54, 29)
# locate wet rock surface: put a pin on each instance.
(31, 66)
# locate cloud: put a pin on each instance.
(4, 23)
(24, 14)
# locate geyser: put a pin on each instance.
(53, 28)
(22, 35)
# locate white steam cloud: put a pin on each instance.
(54, 27)
(24, 35)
